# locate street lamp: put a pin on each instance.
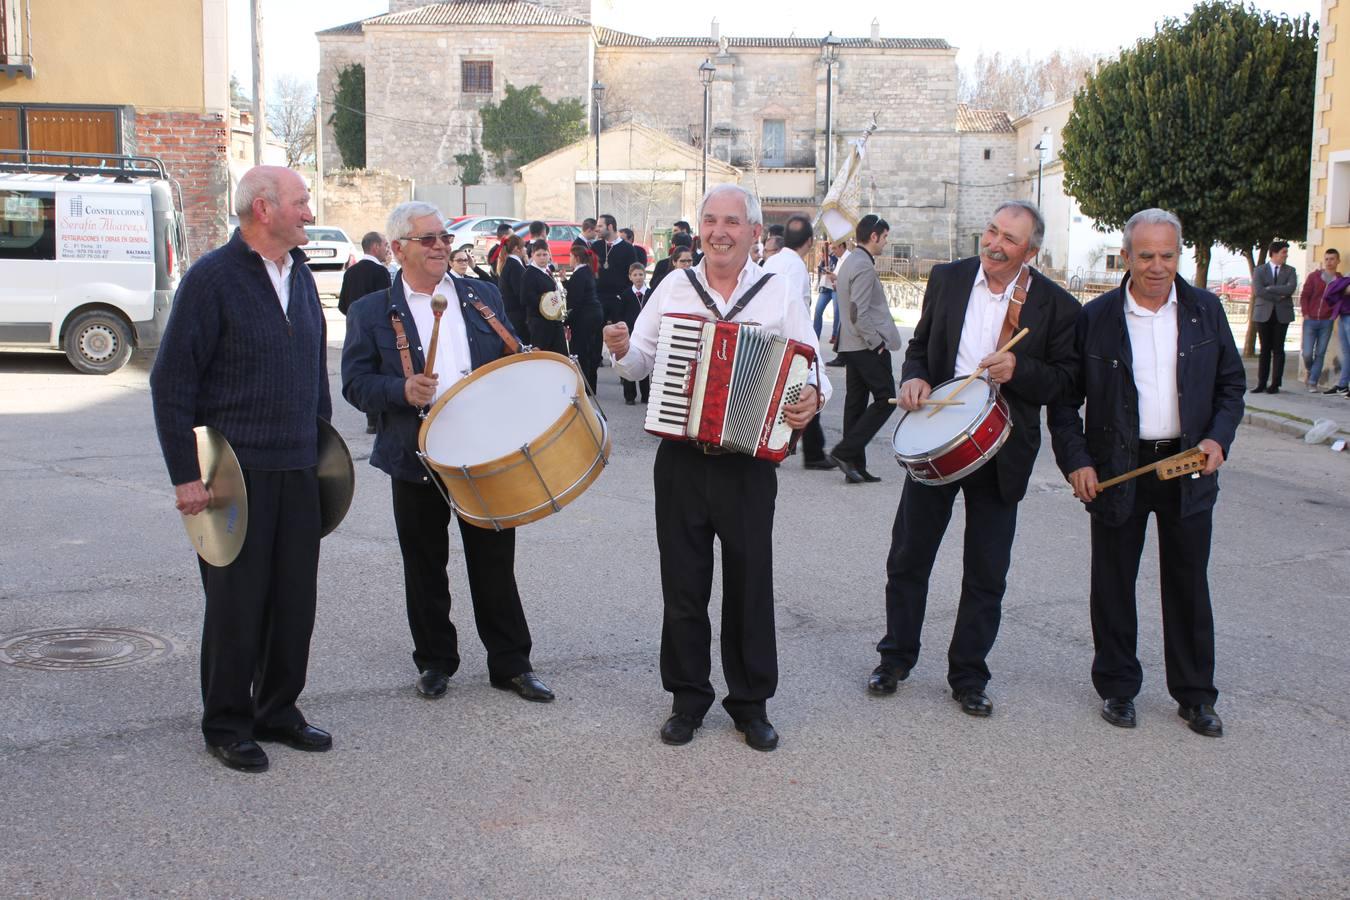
(830, 54)
(1041, 147)
(706, 71)
(598, 92)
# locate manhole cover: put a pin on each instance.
(81, 648)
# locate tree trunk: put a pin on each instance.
(1249, 342)
(1202, 251)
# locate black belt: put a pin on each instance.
(1165, 447)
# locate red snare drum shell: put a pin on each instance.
(966, 452)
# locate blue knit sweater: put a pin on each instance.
(232, 360)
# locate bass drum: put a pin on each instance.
(516, 440)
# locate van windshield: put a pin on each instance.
(325, 234)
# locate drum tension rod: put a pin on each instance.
(487, 513)
(529, 458)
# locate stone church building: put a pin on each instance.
(933, 167)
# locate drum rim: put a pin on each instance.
(992, 398)
(482, 372)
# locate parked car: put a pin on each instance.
(560, 238)
(329, 249)
(468, 229)
(91, 250)
(1236, 289)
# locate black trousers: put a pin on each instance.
(422, 519)
(1271, 363)
(920, 523)
(260, 611)
(698, 498)
(586, 341)
(813, 440)
(870, 388)
(1183, 562)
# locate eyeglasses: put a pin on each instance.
(429, 240)
(460, 259)
(681, 263)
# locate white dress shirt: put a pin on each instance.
(985, 313)
(280, 277)
(788, 265)
(774, 308)
(1153, 342)
(452, 345)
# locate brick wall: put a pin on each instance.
(194, 149)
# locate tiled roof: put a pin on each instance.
(608, 37)
(982, 120)
(349, 28)
(479, 12)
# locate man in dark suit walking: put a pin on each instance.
(1160, 374)
(967, 305)
(1273, 287)
(369, 274)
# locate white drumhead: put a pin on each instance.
(501, 411)
(919, 434)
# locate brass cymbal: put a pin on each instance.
(337, 478)
(217, 532)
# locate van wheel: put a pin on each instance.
(97, 343)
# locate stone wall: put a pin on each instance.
(984, 183)
(360, 201)
(194, 149)
(419, 118)
(335, 54)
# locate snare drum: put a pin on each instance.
(957, 440)
(516, 440)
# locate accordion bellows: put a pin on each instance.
(725, 385)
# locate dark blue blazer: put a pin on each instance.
(1210, 385)
(372, 370)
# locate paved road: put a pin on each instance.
(108, 791)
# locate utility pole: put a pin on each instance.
(318, 159)
(259, 107)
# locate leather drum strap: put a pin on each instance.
(1014, 314)
(512, 345)
(401, 342)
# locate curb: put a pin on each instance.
(1281, 424)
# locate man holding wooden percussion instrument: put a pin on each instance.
(244, 353)
(1160, 374)
(386, 371)
(970, 309)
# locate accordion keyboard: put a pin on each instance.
(677, 348)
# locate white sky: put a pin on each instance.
(1038, 27)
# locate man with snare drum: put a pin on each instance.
(384, 372)
(969, 308)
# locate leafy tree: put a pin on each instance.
(525, 126)
(349, 116)
(470, 168)
(239, 98)
(1210, 118)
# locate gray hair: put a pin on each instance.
(753, 212)
(1152, 216)
(1037, 220)
(400, 218)
(259, 182)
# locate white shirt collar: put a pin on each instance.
(1132, 306)
(750, 272)
(445, 282)
(365, 256)
(982, 279)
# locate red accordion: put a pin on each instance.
(726, 385)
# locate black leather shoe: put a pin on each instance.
(867, 476)
(851, 473)
(821, 464)
(884, 679)
(679, 729)
(432, 683)
(835, 363)
(1119, 711)
(628, 402)
(297, 737)
(527, 685)
(1259, 389)
(974, 701)
(759, 734)
(1273, 389)
(246, 756)
(1202, 719)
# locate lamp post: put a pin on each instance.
(597, 91)
(706, 71)
(829, 53)
(1040, 148)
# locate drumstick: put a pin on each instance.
(438, 305)
(893, 402)
(980, 371)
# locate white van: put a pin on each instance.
(91, 250)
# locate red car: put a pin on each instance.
(560, 238)
(1236, 289)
